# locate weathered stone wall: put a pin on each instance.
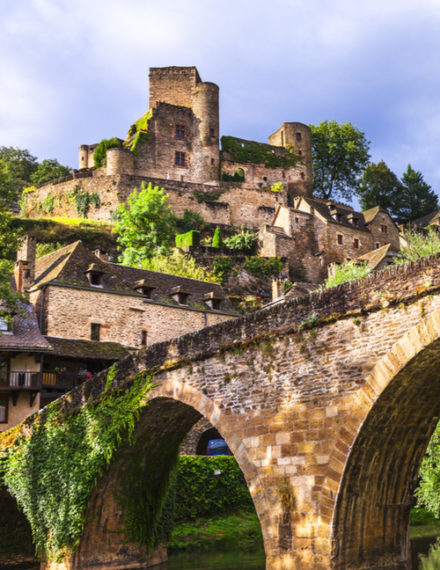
(172, 85)
(390, 235)
(336, 252)
(122, 317)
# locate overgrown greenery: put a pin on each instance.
(9, 241)
(43, 249)
(347, 271)
(244, 240)
(418, 244)
(178, 263)
(138, 133)
(250, 151)
(16, 167)
(52, 469)
(428, 491)
(100, 154)
(83, 200)
(190, 221)
(238, 176)
(222, 266)
(207, 196)
(263, 266)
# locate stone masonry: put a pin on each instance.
(327, 402)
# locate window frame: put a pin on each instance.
(339, 239)
(95, 331)
(180, 159)
(179, 132)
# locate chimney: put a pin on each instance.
(24, 268)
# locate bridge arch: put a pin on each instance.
(172, 409)
(379, 451)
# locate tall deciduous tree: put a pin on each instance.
(48, 170)
(16, 168)
(379, 186)
(416, 198)
(339, 155)
(9, 240)
(145, 225)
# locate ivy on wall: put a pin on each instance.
(83, 200)
(257, 153)
(52, 469)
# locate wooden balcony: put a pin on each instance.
(22, 380)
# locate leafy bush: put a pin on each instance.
(207, 196)
(221, 266)
(189, 239)
(100, 154)
(243, 241)
(48, 204)
(199, 492)
(217, 239)
(83, 200)
(178, 263)
(344, 272)
(263, 266)
(277, 187)
(419, 244)
(259, 153)
(190, 221)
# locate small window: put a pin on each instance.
(296, 220)
(302, 175)
(384, 229)
(211, 132)
(179, 158)
(182, 298)
(265, 178)
(377, 245)
(212, 162)
(144, 338)
(298, 136)
(300, 152)
(180, 132)
(356, 243)
(95, 331)
(340, 239)
(3, 410)
(95, 279)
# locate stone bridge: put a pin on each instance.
(327, 402)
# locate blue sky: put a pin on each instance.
(77, 72)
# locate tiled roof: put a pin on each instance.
(323, 208)
(70, 264)
(427, 220)
(26, 334)
(78, 348)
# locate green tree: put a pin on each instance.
(178, 263)
(16, 168)
(416, 198)
(217, 238)
(379, 186)
(48, 170)
(145, 225)
(9, 240)
(339, 156)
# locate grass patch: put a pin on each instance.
(240, 531)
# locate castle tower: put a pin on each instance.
(299, 137)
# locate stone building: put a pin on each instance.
(315, 233)
(176, 145)
(86, 313)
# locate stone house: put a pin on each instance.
(86, 313)
(315, 233)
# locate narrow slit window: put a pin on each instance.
(95, 331)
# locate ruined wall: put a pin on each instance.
(122, 317)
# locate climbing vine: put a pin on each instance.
(100, 154)
(259, 153)
(52, 469)
(83, 200)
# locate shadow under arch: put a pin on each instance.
(16, 544)
(400, 408)
(171, 412)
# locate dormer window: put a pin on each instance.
(143, 288)
(180, 295)
(353, 220)
(213, 301)
(94, 275)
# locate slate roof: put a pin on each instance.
(26, 334)
(69, 265)
(427, 220)
(90, 349)
(375, 257)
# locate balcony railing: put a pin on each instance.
(23, 380)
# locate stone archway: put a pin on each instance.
(370, 526)
(162, 426)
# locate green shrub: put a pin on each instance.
(263, 266)
(199, 492)
(190, 221)
(83, 200)
(344, 272)
(48, 204)
(243, 241)
(258, 153)
(217, 239)
(100, 154)
(222, 265)
(277, 187)
(189, 239)
(178, 263)
(419, 244)
(421, 516)
(207, 196)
